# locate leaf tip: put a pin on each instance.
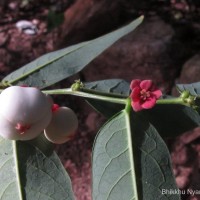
(141, 18)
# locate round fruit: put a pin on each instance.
(62, 126)
(24, 113)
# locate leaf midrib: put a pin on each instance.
(16, 166)
(44, 65)
(132, 165)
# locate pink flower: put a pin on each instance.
(144, 94)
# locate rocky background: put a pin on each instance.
(164, 48)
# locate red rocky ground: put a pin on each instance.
(165, 48)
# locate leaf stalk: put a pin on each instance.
(97, 96)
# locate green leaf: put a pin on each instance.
(58, 65)
(152, 158)
(113, 170)
(112, 86)
(172, 120)
(193, 88)
(131, 162)
(9, 187)
(28, 173)
(109, 86)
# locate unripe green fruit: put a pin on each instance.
(24, 113)
(62, 126)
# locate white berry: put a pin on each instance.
(62, 126)
(24, 113)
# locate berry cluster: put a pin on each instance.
(25, 112)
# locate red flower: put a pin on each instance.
(144, 94)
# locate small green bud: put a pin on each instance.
(190, 100)
(77, 85)
(185, 94)
(4, 84)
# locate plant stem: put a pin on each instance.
(87, 95)
(178, 100)
(114, 98)
(128, 106)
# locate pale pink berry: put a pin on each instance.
(62, 126)
(24, 113)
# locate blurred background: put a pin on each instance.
(165, 48)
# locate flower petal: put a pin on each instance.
(135, 83)
(149, 103)
(135, 94)
(157, 93)
(146, 84)
(136, 106)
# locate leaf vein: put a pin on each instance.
(5, 162)
(4, 191)
(47, 175)
(129, 171)
(107, 165)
